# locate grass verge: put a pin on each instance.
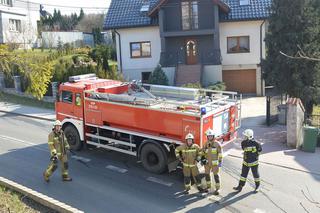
(11, 201)
(4, 97)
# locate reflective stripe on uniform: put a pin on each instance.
(243, 178)
(189, 150)
(250, 164)
(250, 149)
(188, 165)
(215, 162)
(214, 151)
(51, 143)
(257, 180)
(220, 155)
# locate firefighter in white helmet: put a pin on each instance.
(189, 154)
(58, 146)
(251, 150)
(212, 160)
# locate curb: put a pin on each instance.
(29, 116)
(38, 197)
(281, 166)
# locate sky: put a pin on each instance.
(70, 6)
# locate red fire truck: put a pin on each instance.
(146, 121)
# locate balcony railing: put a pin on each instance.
(171, 59)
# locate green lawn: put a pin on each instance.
(14, 202)
(4, 97)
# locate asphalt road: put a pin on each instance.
(115, 182)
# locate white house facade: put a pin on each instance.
(18, 22)
(228, 47)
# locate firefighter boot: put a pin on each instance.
(238, 188)
(45, 177)
(66, 178)
(257, 189)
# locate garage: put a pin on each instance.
(243, 81)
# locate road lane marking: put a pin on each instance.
(86, 160)
(23, 142)
(116, 169)
(159, 181)
(225, 154)
(259, 211)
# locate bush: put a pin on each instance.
(217, 86)
(193, 85)
(158, 77)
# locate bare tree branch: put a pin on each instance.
(301, 56)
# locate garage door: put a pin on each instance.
(243, 81)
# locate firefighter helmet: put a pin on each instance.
(189, 136)
(210, 132)
(57, 123)
(248, 133)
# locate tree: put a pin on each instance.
(58, 22)
(158, 77)
(97, 36)
(90, 21)
(294, 26)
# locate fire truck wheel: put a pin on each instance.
(73, 138)
(153, 158)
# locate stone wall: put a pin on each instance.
(295, 120)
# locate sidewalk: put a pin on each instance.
(33, 112)
(273, 139)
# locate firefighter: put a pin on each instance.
(251, 150)
(58, 146)
(189, 154)
(212, 160)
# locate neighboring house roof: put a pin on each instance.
(258, 9)
(126, 13)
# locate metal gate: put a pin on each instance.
(274, 100)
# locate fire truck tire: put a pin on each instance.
(73, 137)
(153, 158)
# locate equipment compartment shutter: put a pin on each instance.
(243, 81)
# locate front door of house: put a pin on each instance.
(191, 51)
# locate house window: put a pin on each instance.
(189, 15)
(140, 49)
(145, 77)
(15, 25)
(5, 2)
(239, 44)
(244, 2)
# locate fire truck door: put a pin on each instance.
(66, 104)
(78, 105)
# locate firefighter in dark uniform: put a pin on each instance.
(189, 154)
(251, 150)
(58, 146)
(212, 160)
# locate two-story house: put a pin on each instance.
(18, 22)
(193, 40)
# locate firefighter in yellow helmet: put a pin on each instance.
(58, 146)
(189, 154)
(212, 160)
